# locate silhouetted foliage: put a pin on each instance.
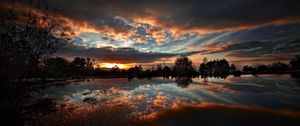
(56, 67)
(280, 67)
(263, 68)
(135, 71)
(159, 70)
(115, 70)
(249, 69)
(78, 65)
(26, 39)
(295, 66)
(183, 67)
(277, 67)
(216, 68)
(237, 73)
(167, 71)
(25, 42)
(295, 63)
(232, 68)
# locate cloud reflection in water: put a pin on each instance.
(155, 99)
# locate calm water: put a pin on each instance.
(118, 100)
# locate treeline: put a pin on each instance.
(217, 68)
(183, 67)
(58, 67)
(292, 68)
(277, 68)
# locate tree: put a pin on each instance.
(223, 67)
(158, 70)
(232, 68)
(25, 42)
(249, 69)
(167, 71)
(78, 66)
(295, 63)
(183, 66)
(115, 70)
(135, 71)
(26, 38)
(89, 69)
(56, 67)
(263, 68)
(280, 67)
(216, 68)
(203, 69)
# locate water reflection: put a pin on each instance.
(211, 114)
(183, 81)
(142, 98)
(216, 76)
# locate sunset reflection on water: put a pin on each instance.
(123, 102)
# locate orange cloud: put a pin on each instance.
(204, 113)
(188, 26)
(71, 27)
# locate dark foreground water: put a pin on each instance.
(247, 100)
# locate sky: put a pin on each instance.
(156, 31)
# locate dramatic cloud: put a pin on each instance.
(199, 15)
(116, 55)
(130, 31)
(264, 49)
(254, 50)
(202, 16)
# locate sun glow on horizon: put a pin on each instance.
(111, 65)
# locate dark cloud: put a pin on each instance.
(256, 49)
(264, 39)
(265, 48)
(117, 55)
(183, 14)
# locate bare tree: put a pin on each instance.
(27, 37)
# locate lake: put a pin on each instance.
(246, 100)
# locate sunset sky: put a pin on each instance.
(153, 31)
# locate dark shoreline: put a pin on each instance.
(126, 76)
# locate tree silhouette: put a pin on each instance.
(26, 39)
(183, 67)
(78, 66)
(25, 42)
(249, 69)
(115, 70)
(280, 67)
(159, 70)
(89, 69)
(232, 68)
(135, 71)
(167, 71)
(295, 63)
(263, 68)
(216, 68)
(56, 67)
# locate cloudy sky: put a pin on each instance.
(152, 31)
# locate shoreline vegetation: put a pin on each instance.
(79, 68)
(57, 68)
